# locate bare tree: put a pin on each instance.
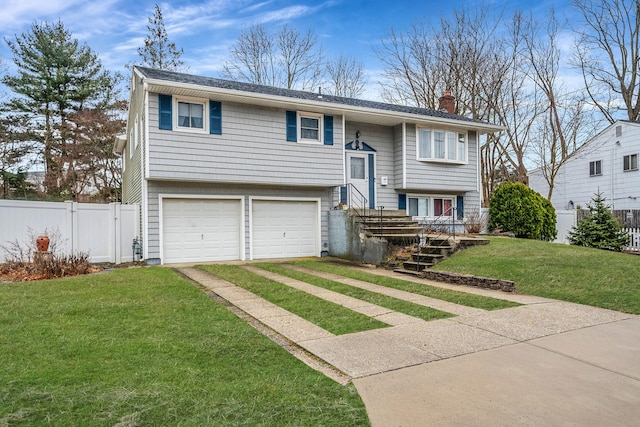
(346, 77)
(558, 130)
(608, 55)
(466, 55)
(412, 74)
(158, 52)
(287, 58)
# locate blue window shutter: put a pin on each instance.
(164, 113)
(343, 194)
(215, 117)
(292, 126)
(402, 202)
(372, 182)
(328, 130)
(460, 207)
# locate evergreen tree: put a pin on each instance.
(56, 79)
(158, 52)
(600, 229)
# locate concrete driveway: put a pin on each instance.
(585, 377)
(546, 362)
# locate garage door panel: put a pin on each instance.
(197, 230)
(284, 229)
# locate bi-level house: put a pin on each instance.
(225, 170)
(607, 163)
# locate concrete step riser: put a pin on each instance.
(415, 266)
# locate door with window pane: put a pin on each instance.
(358, 174)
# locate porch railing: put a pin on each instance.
(356, 201)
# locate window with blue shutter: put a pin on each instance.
(215, 117)
(328, 130)
(292, 126)
(460, 207)
(164, 113)
(402, 202)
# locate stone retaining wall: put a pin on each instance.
(469, 280)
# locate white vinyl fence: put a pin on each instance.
(567, 219)
(635, 238)
(105, 232)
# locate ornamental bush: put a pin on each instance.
(549, 222)
(600, 229)
(518, 209)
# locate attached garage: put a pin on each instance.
(198, 230)
(285, 228)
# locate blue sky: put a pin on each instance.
(207, 28)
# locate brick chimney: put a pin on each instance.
(447, 102)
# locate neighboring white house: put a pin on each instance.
(225, 170)
(607, 163)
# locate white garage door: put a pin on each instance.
(195, 230)
(284, 229)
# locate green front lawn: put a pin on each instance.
(570, 273)
(145, 347)
(328, 315)
(457, 297)
(401, 306)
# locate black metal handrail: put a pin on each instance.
(440, 224)
(357, 201)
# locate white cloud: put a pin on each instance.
(16, 13)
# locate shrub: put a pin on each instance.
(600, 229)
(475, 222)
(23, 262)
(549, 222)
(520, 210)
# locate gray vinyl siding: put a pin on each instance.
(471, 202)
(155, 188)
(381, 139)
(397, 158)
(441, 177)
(251, 150)
(132, 175)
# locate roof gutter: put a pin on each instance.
(246, 97)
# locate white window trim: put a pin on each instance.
(445, 159)
(320, 117)
(430, 206)
(132, 137)
(631, 169)
(595, 163)
(205, 114)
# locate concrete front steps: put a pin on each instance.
(435, 249)
(393, 225)
(401, 230)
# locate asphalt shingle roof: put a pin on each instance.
(171, 76)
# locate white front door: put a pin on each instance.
(358, 174)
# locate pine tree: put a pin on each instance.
(56, 79)
(600, 229)
(158, 52)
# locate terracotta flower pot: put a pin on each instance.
(42, 243)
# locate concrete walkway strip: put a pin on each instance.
(284, 322)
(382, 314)
(367, 353)
(449, 307)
